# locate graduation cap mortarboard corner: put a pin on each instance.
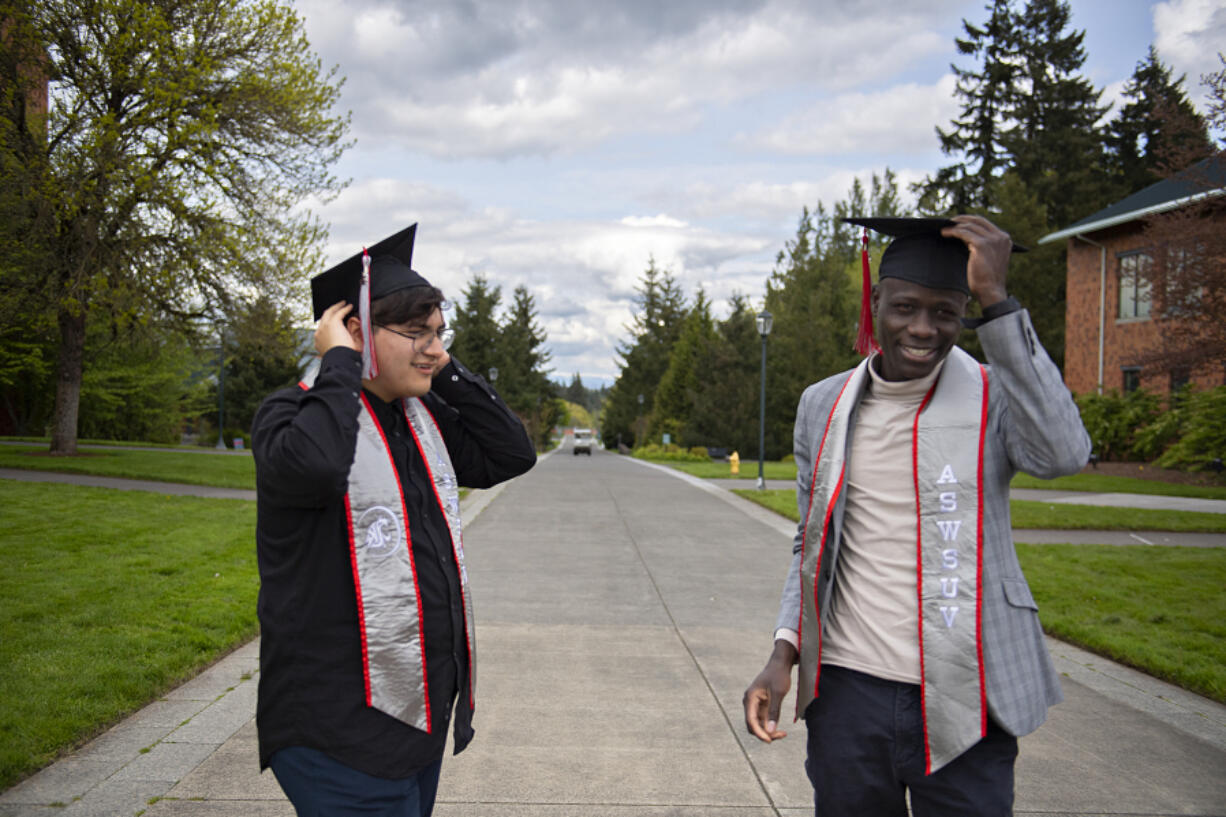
(391, 262)
(384, 268)
(918, 253)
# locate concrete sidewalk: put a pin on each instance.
(621, 611)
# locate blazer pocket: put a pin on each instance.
(1018, 594)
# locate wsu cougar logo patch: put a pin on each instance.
(382, 532)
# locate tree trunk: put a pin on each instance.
(68, 380)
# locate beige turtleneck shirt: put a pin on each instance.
(872, 625)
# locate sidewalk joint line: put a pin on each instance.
(693, 658)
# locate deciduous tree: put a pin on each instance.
(1188, 246)
(181, 138)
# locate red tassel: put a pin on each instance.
(865, 342)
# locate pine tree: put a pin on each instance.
(975, 135)
(724, 410)
(523, 379)
(654, 329)
(674, 398)
(476, 326)
(1054, 140)
(1026, 109)
(1157, 124)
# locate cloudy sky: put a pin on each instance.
(562, 143)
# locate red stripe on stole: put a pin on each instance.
(919, 571)
(408, 542)
(983, 681)
(472, 697)
(821, 550)
(357, 592)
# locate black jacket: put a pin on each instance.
(311, 689)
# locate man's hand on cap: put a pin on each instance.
(332, 331)
(990, 248)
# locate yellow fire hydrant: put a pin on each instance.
(734, 462)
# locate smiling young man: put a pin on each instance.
(921, 659)
(367, 648)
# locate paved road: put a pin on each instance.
(621, 611)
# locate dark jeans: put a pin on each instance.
(866, 750)
(319, 786)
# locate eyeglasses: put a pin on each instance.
(423, 339)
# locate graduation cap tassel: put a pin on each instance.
(865, 342)
(370, 364)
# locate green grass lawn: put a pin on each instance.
(1096, 483)
(221, 470)
(1048, 515)
(721, 470)
(46, 442)
(1159, 609)
(1103, 484)
(107, 600)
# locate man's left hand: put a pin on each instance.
(990, 249)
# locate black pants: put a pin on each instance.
(319, 786)
(866, 750)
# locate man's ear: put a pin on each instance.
(874, 298)
(354, 326)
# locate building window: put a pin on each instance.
(1132, 378)
(1134, 285)
(1179, 379)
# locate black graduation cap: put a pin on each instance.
(390, 271)
(920, 254)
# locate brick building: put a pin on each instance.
(1112, 320)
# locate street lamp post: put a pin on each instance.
(764, 321)
(638, 422)
(221, 392)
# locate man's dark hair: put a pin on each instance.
(406, 306)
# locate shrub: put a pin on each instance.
(1204, 432)
(1112, 420)
(669, 453)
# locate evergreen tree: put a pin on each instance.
(263, 352)
(724, 409)
(523, 379)
(575, 392)
(1027, 109)
(1054, 140)
(476, 327)
(1157, 124)
(674, 398)
(654, 330)
(815, 308)
(986, 95)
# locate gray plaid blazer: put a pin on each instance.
(1033, 426)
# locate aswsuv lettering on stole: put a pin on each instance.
(949, 555)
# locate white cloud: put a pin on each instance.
(525, 78)
(896, 120)
(660, 220)
(1189, 34)
(583, 274)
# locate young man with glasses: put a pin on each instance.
(367, 650)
